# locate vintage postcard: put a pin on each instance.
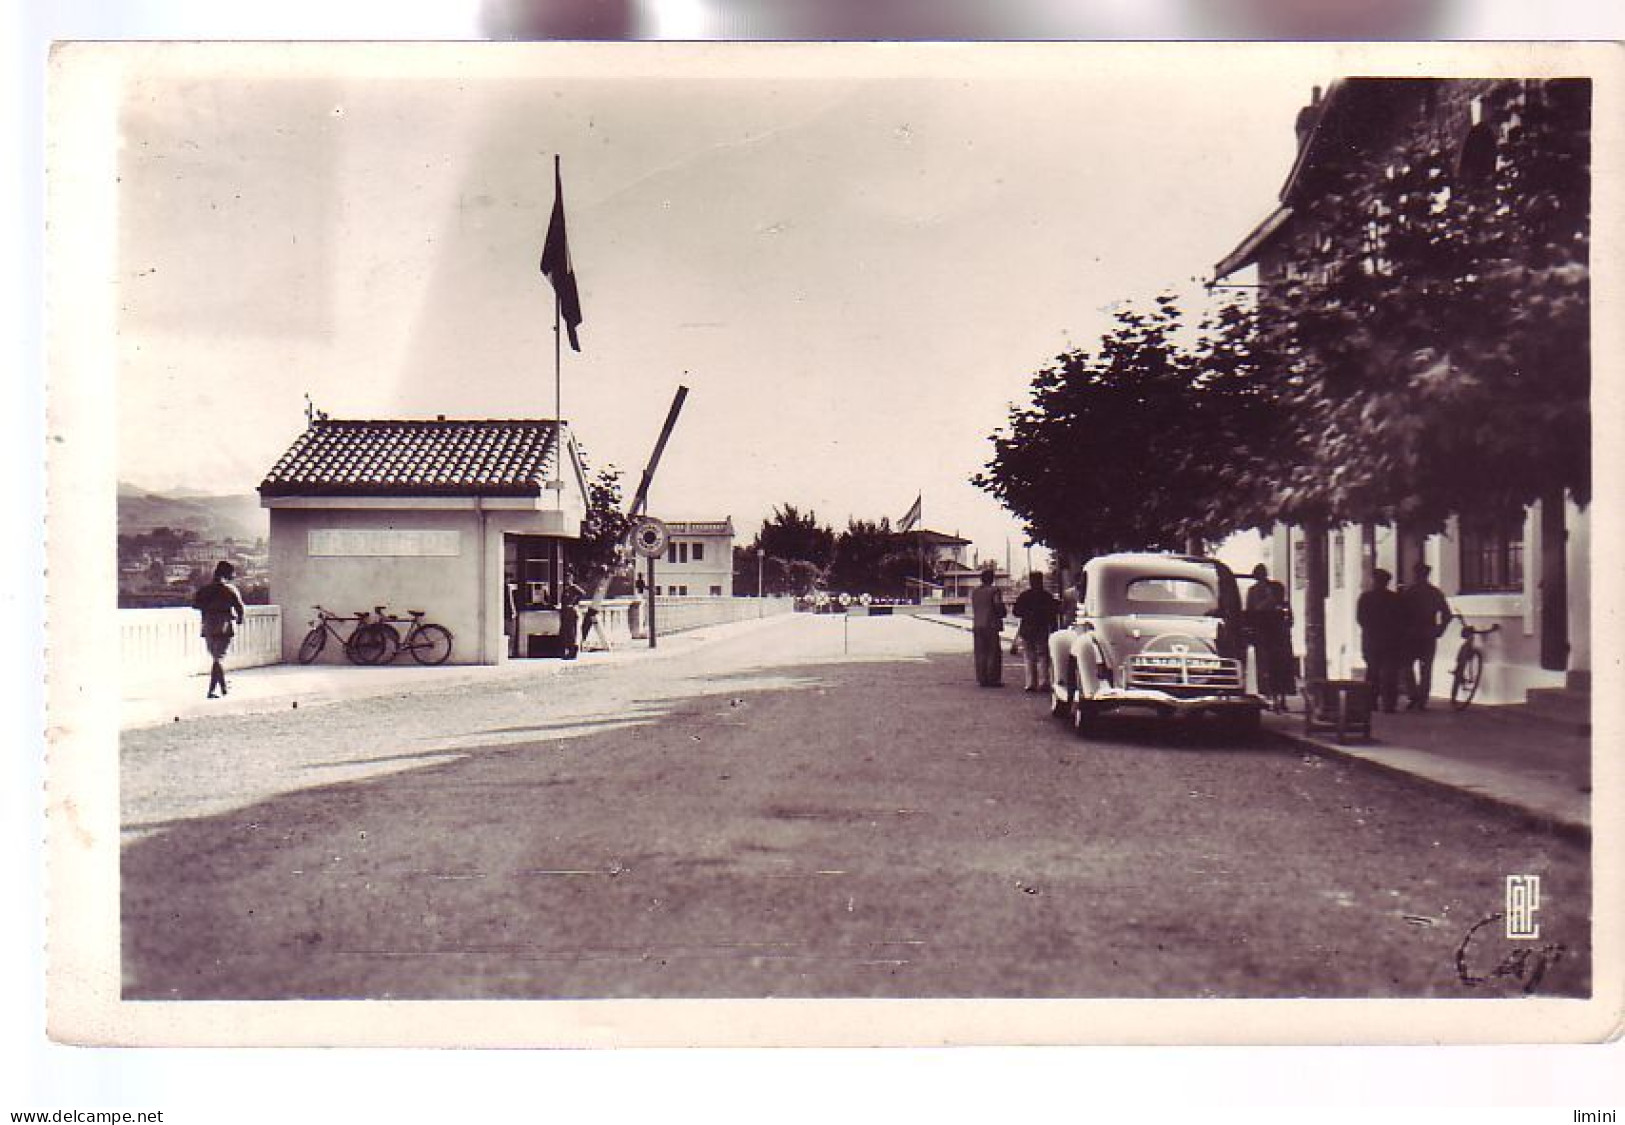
(853, 544)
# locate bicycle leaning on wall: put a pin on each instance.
(366, 643)
(1469, 669)
(427, 642)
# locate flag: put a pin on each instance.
(556, 263)
(911, 517)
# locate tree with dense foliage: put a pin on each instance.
(1438, 360)
(1435, 359)
(802, 576)
(791, 534)
(605, 526)
(1140, 444)
(860, 554)
(768, 579)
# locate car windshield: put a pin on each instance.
(1177, 597)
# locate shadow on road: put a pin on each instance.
(827, 828)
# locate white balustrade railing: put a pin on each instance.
(158, 643)
(677, 614)
(155, 644)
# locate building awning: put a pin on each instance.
(1247, 253)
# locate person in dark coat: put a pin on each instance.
(1036, 609)
(1427, 616)
(570, 596)
(987, 619)
(221, 607)
(1277, 665)
(1381, 617)
(1254, 625)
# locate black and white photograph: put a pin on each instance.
(785, 523)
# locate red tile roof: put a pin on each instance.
(416, 458)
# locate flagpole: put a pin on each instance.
(558, 394)
(558, 377)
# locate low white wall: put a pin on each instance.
(625, 620)
(159, 643)
(675, 615)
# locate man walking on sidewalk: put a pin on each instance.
(1427, 616)
(222, 609)
(987, 619)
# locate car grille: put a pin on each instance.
(1183, 673)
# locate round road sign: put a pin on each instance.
(649, 537)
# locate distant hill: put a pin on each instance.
(209, 517)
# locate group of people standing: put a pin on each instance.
(1038, 612)
(1399, 636)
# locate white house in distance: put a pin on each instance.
(699, 559)
(434, 515)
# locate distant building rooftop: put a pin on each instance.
(724, 526)
(925, 535)
(417, 458)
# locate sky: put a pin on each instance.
(855, 258)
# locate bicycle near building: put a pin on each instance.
(1468, 672)
(427, 642)
(366, 643)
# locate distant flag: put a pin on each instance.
(911, 517)
(556, 263)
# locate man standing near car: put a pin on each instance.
(1427, 616)
(1036, 609)
(987, 619)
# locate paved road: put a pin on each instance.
(769, 815)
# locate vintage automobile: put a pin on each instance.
(1160, 633)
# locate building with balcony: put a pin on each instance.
(698, 560)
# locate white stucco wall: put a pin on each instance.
(715, 569)
(461, 591)
(1512, 655)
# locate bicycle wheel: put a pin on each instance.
(392, 642)
(1464, 682)
(431, 644)
(311, 647)
(373, 643)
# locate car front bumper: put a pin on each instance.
(1166, 703)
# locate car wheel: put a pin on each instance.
(1081, 714)
(1061, 694)
(1059, 704)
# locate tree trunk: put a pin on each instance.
(1314, 600)
(1554, 583)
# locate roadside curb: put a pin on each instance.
(1577, 830)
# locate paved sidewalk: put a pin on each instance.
(282, 687)
(1501, 755)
